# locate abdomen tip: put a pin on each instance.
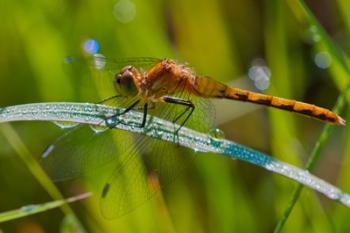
(341, 121)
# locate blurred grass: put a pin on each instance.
(218, 38)
(341, 65)
(23, 153)
(284, 142)
(37, 208)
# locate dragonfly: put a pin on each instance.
(156, 87)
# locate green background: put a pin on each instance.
(220, 39)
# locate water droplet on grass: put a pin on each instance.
(28, 208)
(217, 133)
(111, 122)
(47, 151)
(65, 124)
(99, 61)
(323, 60)
(98, 129)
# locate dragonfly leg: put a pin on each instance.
(132, 106)
(189, 107)
(128, 108)
(108, 98)
(145, 107)
(151, 105)
(105, 100)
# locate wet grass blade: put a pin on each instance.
(158, 128)
(37, 208)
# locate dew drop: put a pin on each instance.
(65, 124)
(99, 61)
(311, 35)
(196, 150)
(111, 122)
(28, 208)
(323, 60)
(158, 133)
(98, 129)
(333, 195)
(47, 151)
(217, 133)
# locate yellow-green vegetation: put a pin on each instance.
(304, 46)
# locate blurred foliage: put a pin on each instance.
(222, 39)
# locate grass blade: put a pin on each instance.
(37, 208)
(315, 154)
(342, 68)
(158, 128)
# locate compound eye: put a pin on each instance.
(127, 74)
(118, 79)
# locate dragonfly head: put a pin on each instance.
(125, 81)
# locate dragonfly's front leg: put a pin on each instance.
(108, 98)
(145, 107)
(132, 106)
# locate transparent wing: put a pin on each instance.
(79, 151)
(132, 182)
(101, 63)
(96, 74)
(126, 187)
(202, 118)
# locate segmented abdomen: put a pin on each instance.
(207, 87)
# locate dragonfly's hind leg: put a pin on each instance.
(189, 108)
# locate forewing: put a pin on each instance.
(95, 74)
(100, 62)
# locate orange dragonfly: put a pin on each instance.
(166, 78)
(160, 87)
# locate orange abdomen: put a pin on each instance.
(207, 87)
